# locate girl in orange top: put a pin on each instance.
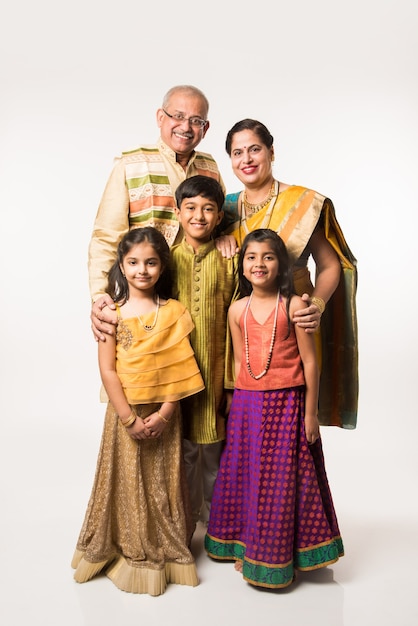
(272, 510)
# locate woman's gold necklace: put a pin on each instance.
(273, 337)
(149, 327)
(266, 219)
(250, 208)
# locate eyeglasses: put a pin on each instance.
(194, 120)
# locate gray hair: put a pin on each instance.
(187, 89)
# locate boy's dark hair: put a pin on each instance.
(204, 186)
(118, 287)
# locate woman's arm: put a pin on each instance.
(328, 266)
(327, 277)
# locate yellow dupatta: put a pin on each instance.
(292, 214)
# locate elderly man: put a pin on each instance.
(141, 188)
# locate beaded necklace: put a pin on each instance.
(273, 337)
(149, 327)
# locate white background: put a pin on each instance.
(337, 85)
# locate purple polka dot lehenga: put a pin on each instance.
(272, 507)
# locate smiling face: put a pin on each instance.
(182, 136)
(261, 265)
(251, 160)
(198, 217)
(142, 267)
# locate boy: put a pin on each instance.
(206, 283)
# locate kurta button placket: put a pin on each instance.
(196, 278)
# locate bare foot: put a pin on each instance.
(238, 566)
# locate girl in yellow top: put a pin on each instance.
(137, 526)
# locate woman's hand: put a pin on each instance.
(103, 317)
(227, 245)
(308, 318)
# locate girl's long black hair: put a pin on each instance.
(118, 287)
(285, 275)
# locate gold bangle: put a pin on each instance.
(129, 422)
(161, 417)
(131, 419)
(319, 302)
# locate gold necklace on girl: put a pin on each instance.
(273, 337)
(149, 327)
(254, 208)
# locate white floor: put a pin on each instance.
(46, 479)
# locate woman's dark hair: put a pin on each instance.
(118, 287)
(285, 276)
(257, 127)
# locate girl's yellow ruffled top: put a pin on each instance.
(157, 365)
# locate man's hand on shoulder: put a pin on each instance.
(103, 317)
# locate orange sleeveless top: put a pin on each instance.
(286, 365)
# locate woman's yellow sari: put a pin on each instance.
(294, 215)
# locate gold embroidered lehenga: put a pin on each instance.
(137, 527)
